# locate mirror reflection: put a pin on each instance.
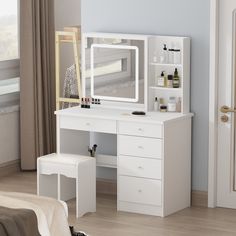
(116, 68)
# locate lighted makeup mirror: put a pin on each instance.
(114, 68)
(129, 55)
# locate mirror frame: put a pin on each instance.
(124, 47)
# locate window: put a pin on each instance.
(9, 47)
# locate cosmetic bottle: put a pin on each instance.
(178, 105)
(82, 102)
(85, 103)
(155, 58)
(161, 102)
(172, 104)
(156, 104)
(165, 77)
(171, 56)
(177, 56)
(176, 79)
(170, 81)
(88, 103)
(164, 55)
(160, 81)
(163, 108)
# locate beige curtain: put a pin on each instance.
(37, 99)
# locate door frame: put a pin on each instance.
(213, 103)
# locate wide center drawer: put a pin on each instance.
(139, 167)
(138, 190)
(140, 129)
(139, 146)
(88, 124)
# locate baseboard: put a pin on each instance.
(9, 168)
(105, 186)
(199, 199)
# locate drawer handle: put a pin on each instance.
(140, 147)
(140, 167)
(88, 124)
(140, 129)
(140, 191)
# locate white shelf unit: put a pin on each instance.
(156, 44)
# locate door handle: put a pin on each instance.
(226, 109)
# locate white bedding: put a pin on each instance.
(51, 214)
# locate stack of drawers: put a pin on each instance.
(140, 154)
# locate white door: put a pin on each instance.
(226, 167)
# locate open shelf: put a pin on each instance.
(166, 89)
(182, 63)
(107, 161)
(162, 64)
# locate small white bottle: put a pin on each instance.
(177, 56)
(155, 58)
(156, 104)
(178, 105)
(171, 56)
(164, 55)
(160, 81)
(172, 104)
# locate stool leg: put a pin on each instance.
(86, 188)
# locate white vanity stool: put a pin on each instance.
(58, 174)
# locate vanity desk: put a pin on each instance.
(149, 156)
(153, 155)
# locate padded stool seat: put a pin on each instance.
(65, 176)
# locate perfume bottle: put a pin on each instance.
(177, 56)
(178, 105)
(156, 104)
(176, 79)
(164, 55)
(155, 58)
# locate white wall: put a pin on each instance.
(167, 17)
(67, 13)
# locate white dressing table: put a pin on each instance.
(153, 155)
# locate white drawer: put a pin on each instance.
(88, 124)
(140, 129)
(140, 147)
(138, 190)
(140, 167)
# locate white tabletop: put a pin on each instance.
(122, 115)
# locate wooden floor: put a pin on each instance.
(108, 222)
